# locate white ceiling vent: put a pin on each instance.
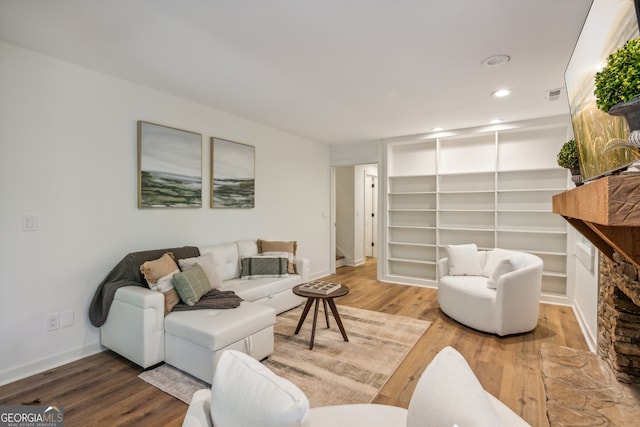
(554, 94)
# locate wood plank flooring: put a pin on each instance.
(104, 390)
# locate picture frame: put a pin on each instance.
(169, 167)
(232, 174)
(601, 138)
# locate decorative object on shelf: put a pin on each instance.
(618, 87)
(568, 158)
(169, 167)
(232, 174)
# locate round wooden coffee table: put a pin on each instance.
(314, 297)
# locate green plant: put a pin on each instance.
(619, 81)
(568, 155)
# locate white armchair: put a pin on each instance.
(246, 393)
(498, 291)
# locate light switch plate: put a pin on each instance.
(29, 222)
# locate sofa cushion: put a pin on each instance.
(226, 259)
(207, 263)
(269, 246)
(506, 265)
(464, 260)
(448, 393)
(191, 284)
(246, 393)
(247, 248)
(257, 289)
(263, 266)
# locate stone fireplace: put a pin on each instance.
(619, 318)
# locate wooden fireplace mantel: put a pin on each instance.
(607, 212)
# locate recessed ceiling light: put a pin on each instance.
(437, 129)
(496, 121)
(500, 93)
(495, 61)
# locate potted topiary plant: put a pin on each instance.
(617, 88)
(568, 158)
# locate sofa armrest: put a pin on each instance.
(199, 412)
(303, 267)
(135, 325)
(140, 297)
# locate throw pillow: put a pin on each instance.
(244, 393)
(263, 266)
(494, 256)
(208, 264)
(165, 285)
(191, 284)
(464, 260)
(448, 393)
(154, 270)
(506, 265)
(265, 246)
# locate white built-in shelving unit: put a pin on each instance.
(493, 189)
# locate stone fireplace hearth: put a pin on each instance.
(619, 318)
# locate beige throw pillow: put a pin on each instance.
(154, 270)
(208, 264)
(269, 246)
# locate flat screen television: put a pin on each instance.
(601, 138)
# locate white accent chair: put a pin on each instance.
(494, 291)
(246, 393)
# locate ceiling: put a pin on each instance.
(335, 71)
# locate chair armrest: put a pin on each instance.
(303, 267)
(443, 268)
(199, 411)
(140, 297)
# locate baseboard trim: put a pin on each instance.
(24, 371)
(592, 341)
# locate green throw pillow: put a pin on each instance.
(191, 284)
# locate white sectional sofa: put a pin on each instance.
(136, 326)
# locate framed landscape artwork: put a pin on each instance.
(232, 174)
(169, 167)
(601, 138)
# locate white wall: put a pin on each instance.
(68, 153)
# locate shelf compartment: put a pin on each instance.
(412, 201)
(412, 184)
(532, 179)
(534, 242)
(398, 267)
(412, 252)
(531, 221)
(419, 218)
(483, 239)
(467, 201)
(466, 220)
(554, 285)
(468, 182)
(412, 235)
(526, 200)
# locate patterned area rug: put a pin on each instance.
(335, 371)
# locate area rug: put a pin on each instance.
(335, 371)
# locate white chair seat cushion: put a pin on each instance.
(370, 415)
(468, 300)
(246, 393)
(448, 393)
(216, 329)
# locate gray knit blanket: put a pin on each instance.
(127, 273)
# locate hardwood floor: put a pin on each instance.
(104, 390)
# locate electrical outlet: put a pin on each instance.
(66, 319)
(53, 321)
